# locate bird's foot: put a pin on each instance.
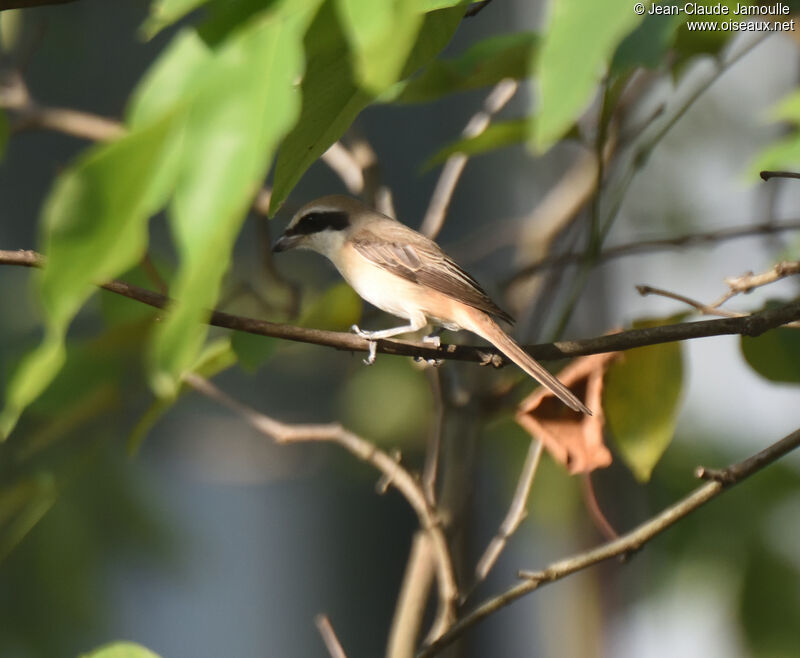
(435, 363)
(432, 339)
(373, 346)
(373, 350)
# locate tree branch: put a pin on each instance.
(749, 325)
(627, 543)
(644, 246)
(433, 221)
(332, 643)
(393, 473)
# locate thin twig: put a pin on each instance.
(412, 599)
(711, 238)
(515, 515)
(627, 543)
(594, 509)
(707, 309)
(451, 172)
(766, 175)
(750, 281)
(392, 471)
(332, 643)
(748, 325)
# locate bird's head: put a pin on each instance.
(322, 225)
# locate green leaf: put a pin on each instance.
(171, 80)
(4, 132)
(337, 309)
(95, 227)
(648, 44)
(575, 52)
(641, 401)
(165, 12)
(484, 64)
(369, 26)
(245, 105)
(121, 650)
(253, 351)
(784, 154)
(691, 43)
(775, 354)
(331, 97)
(497, 135)
(22, 506)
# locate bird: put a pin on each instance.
(406, 274)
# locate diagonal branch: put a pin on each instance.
(720, 480)
(393, 473)
(748, 325)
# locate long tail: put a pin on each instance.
(488, 329)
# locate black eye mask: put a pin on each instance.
(315, 222)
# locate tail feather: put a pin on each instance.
(488, 329)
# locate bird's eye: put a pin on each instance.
(320, 220)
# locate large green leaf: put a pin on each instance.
(332, 98)
(647, 45)
(497, 135)
(775, 354)
(95, 226)
(165, 12)
(485, 63)
(369, 26)
(574, 55)
(245, 105)
(121, 650)
(641, 401)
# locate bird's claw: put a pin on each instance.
(358, 331)
(373, 350)
(432, 339)
(435, 363)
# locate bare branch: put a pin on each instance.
(710, 238)
(766, 175)
(345, 166)
(749, 325)
(707, 309)
(626, 544)
(431, 469)
(448, 179)
(21, 4)
(393, 472)
(413, 596)
(749, 281)
(516, 513)
(332, 643)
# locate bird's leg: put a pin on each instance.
(415, 324)
(434, 337)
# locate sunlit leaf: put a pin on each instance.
(575, 52)
(95, 226)
(165, 12)
(641, 402)
(775, 354)
(496, 136)
(121, 650)
(484, 64)
(369, 26)
(331, 97)
(244, 107)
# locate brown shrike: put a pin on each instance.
(406, 274)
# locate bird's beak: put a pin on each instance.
(285, 242)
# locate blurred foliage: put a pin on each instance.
(641, 400)
(400, 418)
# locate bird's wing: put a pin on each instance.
(414, 257)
